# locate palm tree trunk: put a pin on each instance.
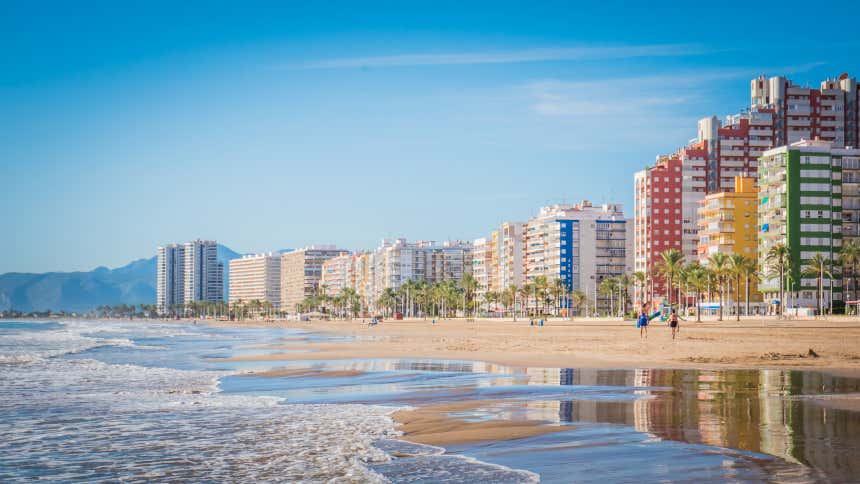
(738, 297)
(698, 306)
(722, 290)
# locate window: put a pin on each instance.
(815, 173)
(815, 187)
(815, 200)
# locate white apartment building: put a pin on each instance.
(203, 273)
(187, 273)
(580, 244)
(256, 277)
(169, 277)
(398, 261)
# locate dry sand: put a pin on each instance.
(751, 343)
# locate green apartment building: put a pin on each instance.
(802, 188)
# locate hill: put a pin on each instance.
(133, 283)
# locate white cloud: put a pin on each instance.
(508, 57)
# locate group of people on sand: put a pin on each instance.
(643, 320)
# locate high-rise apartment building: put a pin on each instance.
(579, 244)
(169, 277)
(780, 113)
(801, 205)
(659, 223)
(301, 271)
(256, 277)
(497, 260)
(203, 273)
(343, 271)
(398, 261)
(728, 221)
(508, 265)
(482, 265)
(829, 113)
(187, 273)
(728, 224)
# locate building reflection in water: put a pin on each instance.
(766, 411)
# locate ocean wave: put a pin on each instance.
(73, 337)
(88, 420)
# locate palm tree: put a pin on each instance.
(624, 281)
(736, 272)
(387, 300)
(526, 292)
(670, 265)
(608, 287)
(511, 295)
(778, 258)
(817, 267)
(469, 285)
(540, 286)
(698, 278)
(849, 256)
(576, 299)
(719, 265)
(558, 290)
(749, 272)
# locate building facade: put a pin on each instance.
(396, 261)
(828, 113)
(301, 271)
(728, 224)
(801, 206)
(169, 277)
(728, 221)
(188, 273)
(581, 245)
(203, 273)
(256, 277)
(658, 219)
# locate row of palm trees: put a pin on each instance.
(726, 275)
(818, 267)
(721, 275)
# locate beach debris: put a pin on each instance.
(773, 355)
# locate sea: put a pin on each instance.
(142, 401)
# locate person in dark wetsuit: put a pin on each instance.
(673, 323)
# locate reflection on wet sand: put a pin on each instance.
(740, 409)
(615, 412)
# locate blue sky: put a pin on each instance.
(273, 125)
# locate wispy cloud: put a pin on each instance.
(510, 56)
(636, 95)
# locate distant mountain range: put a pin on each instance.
(83, 291)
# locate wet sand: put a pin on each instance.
(304, 372)
(750, 343)
(434, 425)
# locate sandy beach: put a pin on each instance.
(750, 343)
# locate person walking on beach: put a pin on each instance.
(642, 323)
(673, 323)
